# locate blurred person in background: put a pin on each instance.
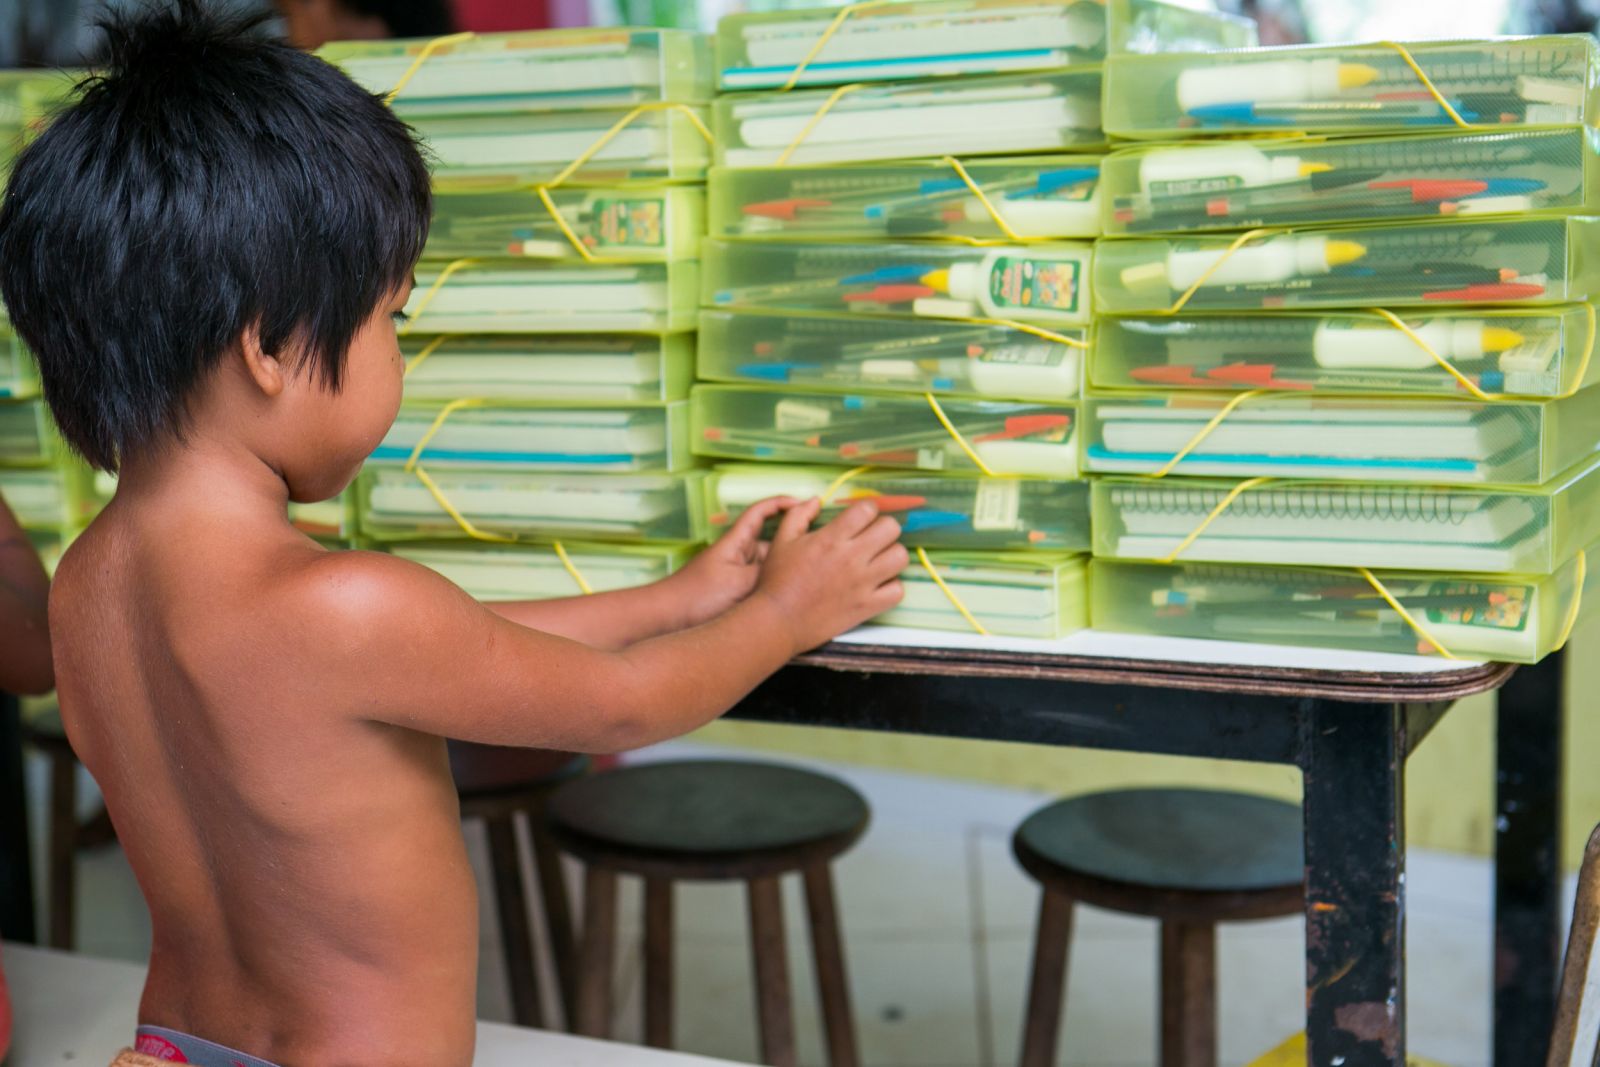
(313, 23)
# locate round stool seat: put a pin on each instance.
(707, 818)
(1195, 854)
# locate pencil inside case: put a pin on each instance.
(624, 367)
(1044, 284)
(1502, 83)
(885, 430)
(27, 436)
(509, 437)
(1531, 352)
(516, 296)
(1022, 594)
(1035, 197)
(517, 73)
(648, 223)
(1234, 186)
(655, 145)
(1519, 618)
(1439, 264)
(1340, 438)
(398, 506)
(934, 510)
(19, 375)
(1499, 530)
(896, 354)
(331, 522)
(536, 571)
(936, 38)
(910, 120)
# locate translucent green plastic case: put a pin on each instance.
(1035, 196)
(910, 120)
(1345, 439)
(488, 151)
(632, 223)
(1538, 352)
(502, 296)
(1245, 184)
(1490, 530)
(535, 572)
(934, 510)
(510, 437)
(519, 73)
(1513, 261)
(884, 430)
(1025, 594)
(937, 38)
(1519, 619)
(1044, 284)
(871, 352)
(1503, 83)
(621, 368)
(396, 505)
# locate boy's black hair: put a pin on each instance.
(210, 180)
(407, 18)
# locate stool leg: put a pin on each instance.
(596, 952)
(1188, 995)
(772, 973)
(516, 931)
(557, 913)
(63, 849)
(827, 948)
(1047, 987)
(658, 963)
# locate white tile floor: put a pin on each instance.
(938, 921)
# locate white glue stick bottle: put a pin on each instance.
(1353, 343)
(1174, 171)
(1271, 82)
(1276, 259)
(1045, 284)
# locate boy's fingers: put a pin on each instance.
(883, 532)
(796, 521)
(887, 595)
(890, 562)
(763, 549)
(853, 519)
(749, 524)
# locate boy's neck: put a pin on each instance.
(206, 474)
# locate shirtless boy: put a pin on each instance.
(207, 252)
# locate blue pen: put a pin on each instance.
(1249, 114)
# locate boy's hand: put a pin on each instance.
(726, 573)
(830, 580)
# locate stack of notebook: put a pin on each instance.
(1341, 390)
(542, 448)
(895, 299)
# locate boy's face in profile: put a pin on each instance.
(331, 433)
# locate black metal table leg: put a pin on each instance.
(1353, 760)
(1529, 738)
(16, 868)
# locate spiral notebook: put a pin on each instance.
(1407, 526)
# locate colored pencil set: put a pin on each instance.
(1341, 389)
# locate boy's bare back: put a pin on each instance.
(207, 253)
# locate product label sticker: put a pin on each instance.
(1021, 282)
(998, 505)
(798, 415)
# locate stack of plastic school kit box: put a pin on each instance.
(542, 447)
(895, 302)
(1341, 392)
(51, 492)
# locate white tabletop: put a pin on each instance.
(80, 1010)
(1166, 649)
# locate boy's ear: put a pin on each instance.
(265, 370)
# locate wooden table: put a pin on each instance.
(1348, 730)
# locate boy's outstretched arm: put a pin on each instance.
(397, 644)
(713, 582)
(25, 665)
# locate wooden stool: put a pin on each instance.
(46, 734)
(712, 820)
(496, 785)
(1189, 857)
